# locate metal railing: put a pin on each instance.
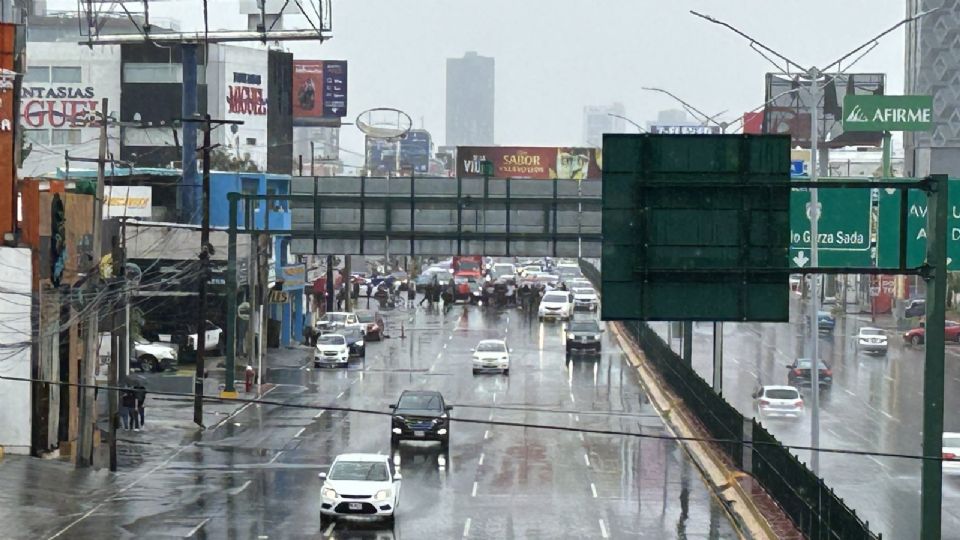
(814, 508)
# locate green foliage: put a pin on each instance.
(223, 160)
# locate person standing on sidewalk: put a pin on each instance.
(140, 393)
(128, 405)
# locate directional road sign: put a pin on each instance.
(843, 229)
(888, 235)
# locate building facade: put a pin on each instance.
(470, 100)
(597, 120)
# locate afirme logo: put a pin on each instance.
(856, 115)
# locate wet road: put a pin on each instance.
(875, 405)
(256, 475)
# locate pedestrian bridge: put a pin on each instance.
(443, 216)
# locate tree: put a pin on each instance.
(224, 160)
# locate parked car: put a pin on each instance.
(183, 334)
(584, 335)
(420, 415)
(359, 484)
(355, 343)
(555, 305)
(585, 298)
(491, 355)
(372, 322)
(799, 373)
(778, 401)
(872, 340)
(335, 320)
(951, 451)
(153, 356)
(915, 308)
(331, 350)
(918, 336)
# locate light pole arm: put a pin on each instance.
(634, 124)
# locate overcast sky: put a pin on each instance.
(553, 57)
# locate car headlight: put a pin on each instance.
(596, 336)
(398, 419)
(360, 343)
(505, 359)
(382, 495)
(329, 493)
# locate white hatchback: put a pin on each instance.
(364, 485)
(332, 350)
(778, 401)
(556, 305)
(491, 355)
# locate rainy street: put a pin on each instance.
(255, 474)
(874, 405)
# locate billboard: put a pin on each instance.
(536, 162)
(320, 91)
(415, 151)
(787, 109)
(127, 201)
(753, 123)
(381, 156)
(670, 129)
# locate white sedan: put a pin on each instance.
(365, 485)
(585, 298)
(872, 340)
(555, 305)
(778, 401)
(332, 350)
(491, 355)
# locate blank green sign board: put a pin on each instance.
(695, 227)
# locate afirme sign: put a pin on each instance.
(887, 113)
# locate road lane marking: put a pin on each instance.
(196, 529)
(586, 459)
(240, 410)
(444, 345)
(275, 456)
(329, 530)
(593, 489)
(888, 415)
(319, 414)
(481, 459)
(576, 417)
(877, 461)
(451, 336)
(340, 395)
(486, 434)
(603, 530)
(240, 489)
(581, 436)
(572, 399)
(889, 378)
(849, 392)
(474, 492)
(466, 528)
(439, 355)
(299, 433)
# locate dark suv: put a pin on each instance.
(799, 374)
(420, 415)
(584, 335)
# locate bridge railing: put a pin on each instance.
(815, 509)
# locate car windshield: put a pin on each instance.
(804, 363)
(336, 317)
(503, 268)
(331, 339)
(491, 346)
(583, 290)
(952, 441)
(420, 402)
(444, 276)
(568, 270)
(370, 471)
(782, 393)
(584, 326)
(365, 317)
(871, 332)
(555, 297)
(352, 333)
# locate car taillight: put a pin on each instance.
(796, 372)
(764, 403)
(798, 404)
(828, 372)
(949, 455)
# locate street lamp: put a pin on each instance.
(706, 119)
(931, 488)
(634, 124)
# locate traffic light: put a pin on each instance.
(58, 240)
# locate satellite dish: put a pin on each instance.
(384, 123)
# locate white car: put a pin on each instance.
(872, 340)
(556, 305)
(333, 320)
(332, 350)
(585, 298)
(502, 270)
(491, 355)
(531, 269)
(365, 485)
(778, 401)
(951, 451)
(154, 356)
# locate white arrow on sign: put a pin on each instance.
(890, 190)
(801, 259)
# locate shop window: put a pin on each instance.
(39, 136)
(37, 74)
(63, 74)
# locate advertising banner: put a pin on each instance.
(753, 122)
(8, 169)
(887, 113)
(684, 130)
(320, 91)
(415, 151)
(535, 162)
(127, 201)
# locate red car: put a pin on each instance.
(372, 322)
(917, 336)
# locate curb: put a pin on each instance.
(723, 479)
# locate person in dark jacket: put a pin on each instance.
(128, 405)
(140, 393)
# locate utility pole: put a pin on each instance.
(90, 358)
(205, 248)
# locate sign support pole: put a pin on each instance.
(931, 486)
(813, 322)
(231, 278)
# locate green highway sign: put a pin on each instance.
(888, 234)
(887, 113)
(843, 230)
